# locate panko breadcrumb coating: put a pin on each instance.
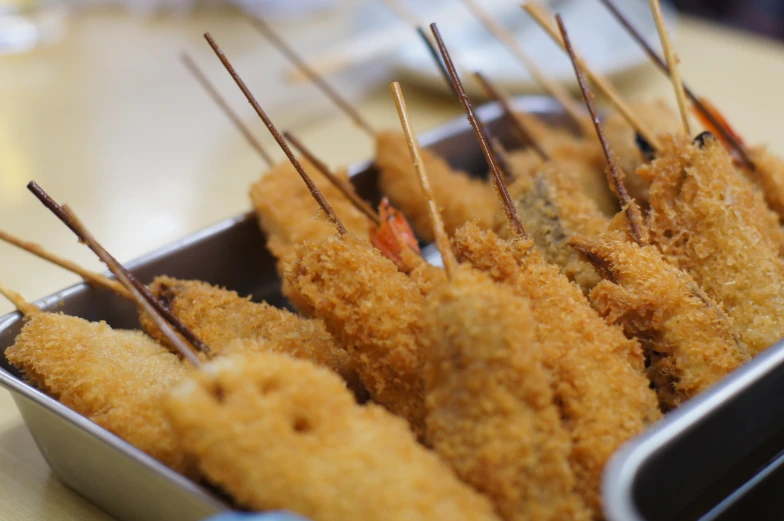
(770, 175)
(599, 381)
(554, 209)
(688, 338)
(703, 220)
(288, 215)
(375, 311)
(659, 118)
(219, 316)
(490, 405)
(460, 197)
(115, 378)
(280, 433)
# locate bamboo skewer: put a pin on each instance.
(543, 17)
(221, 102)
(495, 94)
(728, 136)
(27, 309)
(614, 173)
(325, 206)
(492, 161)
(672, 64)
(513, 46)
(89, 276)
(142, 298)
(322, 167)
(266, 31)
(442, 239)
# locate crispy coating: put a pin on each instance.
(375, 311)
(285, 434)
(288, 215)
(490, 405)
(580, 159)
(115, 378)
(426, 276)
(219, 316)
(599, 380)
(688, 338)
(659, 118)
(460, 197)
(703, 219)
(554, 209)
(770, 175)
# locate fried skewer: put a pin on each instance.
(212, 91)
(575, 345)
(525, 474)
(544, 18)
(366, 302)
(689, 341)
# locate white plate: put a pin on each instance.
(597, 36)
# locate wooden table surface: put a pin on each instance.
(109, 122)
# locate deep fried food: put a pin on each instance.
(770, 175)
(658, 117)
(374, 310)
(461, 197)
(288, 215)
(490, 405)
(703, 219)
(554, 209)
(219, 316)
(689, 340)
(115, 378)
(599, 380)
(280, 433)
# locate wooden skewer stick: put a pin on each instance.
(341, 185)
(266, 31)
(495, 94)
(614, 173)
(511, 212)
(729, 137)
(90, 276)
(442, 239)
(436, 58)
(25, 308)
(543, 17)
(143, 301)
(221, 102)
(672, 64)
(325, 206)
(152, 303)
(513, 46)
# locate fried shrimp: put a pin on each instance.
(688, 339)
(703, 219)
(280, 433)
(374, 310)
(288, 217)
(554, 209)
(114, 378)
(490, 401)
(461, 197)
(630, 152)
(219, 316)
(593, 364)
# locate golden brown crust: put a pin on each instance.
(704, 220)
(286, 434)
(460, 197)
(600, 386)
(113, 377)
(375, 311)
(490, 403)
(689, 340)
(554, 209)
(219, 316)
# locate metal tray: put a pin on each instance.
(111, 473)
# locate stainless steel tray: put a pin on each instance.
(111, 473)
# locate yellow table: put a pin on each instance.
(109, 122)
